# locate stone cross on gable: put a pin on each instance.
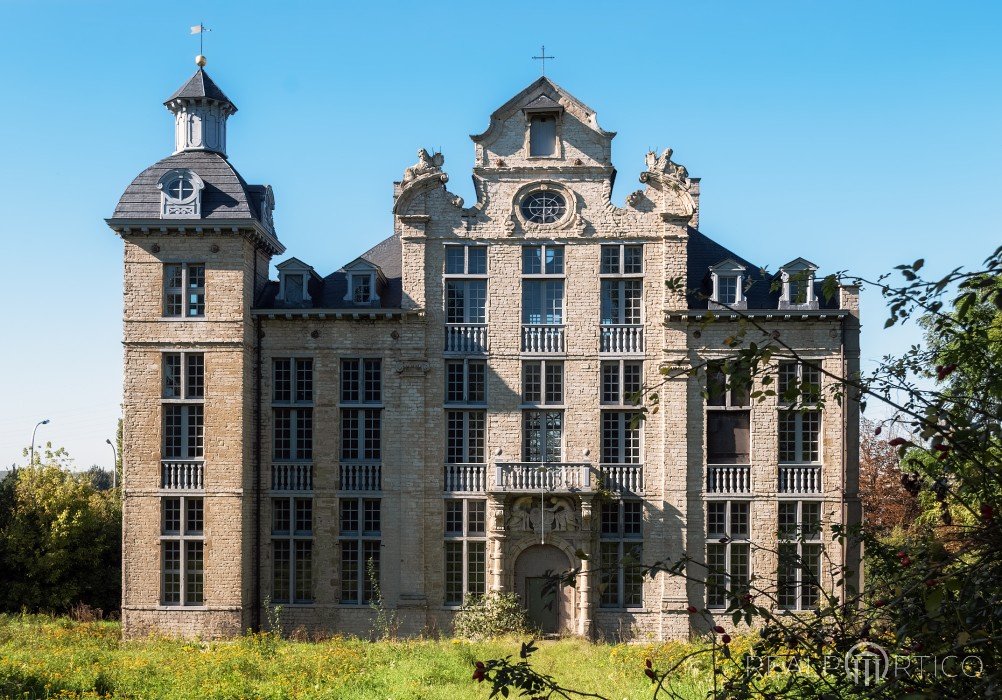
(542, 58)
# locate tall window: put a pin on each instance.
(360, 529)
(622, 381)
(799, 429)
(621, 549)
(543, 285)
(361, 409)
(727, 551)
(465, 549)
(292, 545)
(543, 383)
(728, 420)
(543, 135)
(465, 284)
(361, 288)
(182, 547)
(542, 435)
(466, 381)
(621, 295)
(620, 437)
(184, 290)
(465, 432)
(799, 574)
(183, 393)
(727, 289)
(292, 408)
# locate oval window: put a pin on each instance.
(543, 207)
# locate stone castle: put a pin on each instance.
(457, 410)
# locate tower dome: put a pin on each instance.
(200, 112)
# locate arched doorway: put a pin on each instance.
(551, 610)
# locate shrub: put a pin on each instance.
(492, 615)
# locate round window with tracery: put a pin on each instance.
(543, 207)
(180, 188)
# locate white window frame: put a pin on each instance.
(622, 431)
(621, 260)
(543, 402)
(620, 366)
(467, 436)
(466, 248)
(469, 541)
(465, 400)
(183, 539)
(300, 411)
(363, 409)
(359, 536)
(184, 291)
(185, 403)
(621, 283)
(732, 541)
(625, 544)
(292, 536)
(729, 268)
(800, 540)
(542, 412)
(800, 411)
(558, 144)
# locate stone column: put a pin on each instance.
(585, 577)
(496, 536)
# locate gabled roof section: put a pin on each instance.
(543, 103)
(539, 88)
(201, 86)
(728, 264)
(799, 264)
(296, 265)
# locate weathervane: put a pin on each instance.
(542, 58)
(200, 29)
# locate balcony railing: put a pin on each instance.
(621, 339)
(292, 476)
(182, 474)
(543, 338)
(728, 478)
(360, 477)
(466, 478)
(466, 337)
(513, 477)
(799, 478)
(622, 478)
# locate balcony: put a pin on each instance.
(292, 476)
(622, 478)
(469, 338)
(534, 477)
(360, 477)
(182, 474)
(542, 339)
(465, 478)
(728, 478)
(800, 478)
(621, 339)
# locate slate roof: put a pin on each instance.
(200, 85)
(329, 292)
(703, 252)
(226, 194)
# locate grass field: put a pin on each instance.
(44, 657)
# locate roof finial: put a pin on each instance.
(200, 29)
(541, 58)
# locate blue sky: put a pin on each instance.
(856, 134)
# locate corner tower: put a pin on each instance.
(197, 245)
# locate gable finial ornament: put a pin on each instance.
(427, 163)
(666, 170)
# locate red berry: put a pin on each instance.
(480, 665)
(905, 561)
(878, 430)
(692, 609)
(650, 674)
(902, 553)
(897, 442)
(648, 663)
(718, 629)
(987, 512)
(726, 639)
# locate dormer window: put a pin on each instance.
(294, 281)
(180, 194)
(797, 278)
(543, 135)
(361, 288)
(728, 285)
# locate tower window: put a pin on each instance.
(543, 135)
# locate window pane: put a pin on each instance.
(632, 381)
(554, 382)
(349, 515)
(453, 573)
(609, 560)
(727, 289)
(194, 517)
(633, 579)
(716, 577)
(281, 520)
(372, 381)
(282, 580)
(476, 301)
(477, 517)
(173, 435)
(196, 430)
(610, 518)
(171, 572)
(172, 516)
(811, 425)
(716, 519)
(542, 136)
(371, 512)
(454, 382)
(740, 563)
(282, 373)
(787, 520)
(304, 516)
(195, 379)
(454, 517)
(739, 519)
(811, 525)
(370, 553)
(283, 434)
(610, 382)
(477, 260)
(633, 259)
(172, 375)
(454, 259)
(554, 260)
(349, 571)
(304, 433)
(633, 519)
(350, 443)
(727, 437)
(476, 387)
(610, 259)
(455, 301)
(304, 571)
(476, 574)
(532, 257)
(351, 381)
(810, 576)
(193, 573)
(786, 584)
(304, 379)
(532, 382)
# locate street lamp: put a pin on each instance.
(31, 462)
(114, 463)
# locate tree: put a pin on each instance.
(887, 504)
(60, 540)
(933, 598)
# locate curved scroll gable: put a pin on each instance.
(668, 186)
(422, 184)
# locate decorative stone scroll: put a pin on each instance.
(427, 163)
